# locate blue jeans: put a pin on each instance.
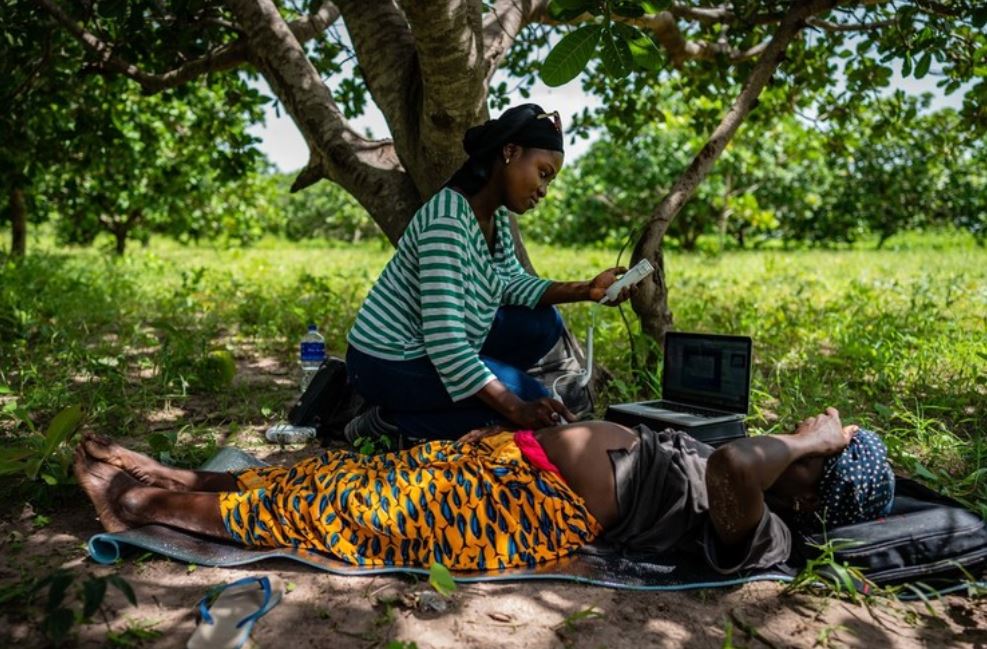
(411, 394)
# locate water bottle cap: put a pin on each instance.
(312, 327)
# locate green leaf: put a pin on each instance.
(57, 623)
(441, 580)
(555, 12)
(121, 584)
(584, 614)
(14, 453)
(31, 467)
(61, 427)
(615, 54)
(162, 442)
(643, 50)
(922, 67)
(60, 582)
(570, 56)
(844, 577)
(93, 592)
(920, 471)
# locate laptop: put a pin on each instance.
(705, 386)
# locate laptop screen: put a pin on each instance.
(707, 370)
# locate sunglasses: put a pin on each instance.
(555, 119)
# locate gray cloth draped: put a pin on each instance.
(661, 492)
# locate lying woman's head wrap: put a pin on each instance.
(857, 485)
(526, 125)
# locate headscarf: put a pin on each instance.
(524, 125)
(857, 484)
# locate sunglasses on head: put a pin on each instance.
(554, 118)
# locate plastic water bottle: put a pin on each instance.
(285, 433)
(311, 353)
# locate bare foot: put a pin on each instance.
(106, 485)
(139, 466)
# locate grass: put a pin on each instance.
(896, 339)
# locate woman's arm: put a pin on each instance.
(592, 290)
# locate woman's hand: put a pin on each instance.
(477, 434)
(598, 286)
(541, 413)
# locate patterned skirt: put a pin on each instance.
(467, 506)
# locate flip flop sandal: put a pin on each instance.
(228, 622)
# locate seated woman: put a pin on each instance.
(499, 499)
(441, 344)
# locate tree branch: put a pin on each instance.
(307, 28)
(664, 26)
(367, 169)
(385, 48)
(501, 26)
(705, 15)
(763, 70)
(449, 43)
(849, 27)
(938, 8)
(650, 302)
(224, 57)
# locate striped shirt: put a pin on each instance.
(439, 293)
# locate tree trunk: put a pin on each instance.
(725, 211)
(120, 229)
(121, 238)
(18, 223)
(651, 301)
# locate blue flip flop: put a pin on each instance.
(227, 623)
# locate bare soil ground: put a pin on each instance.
(323, 610)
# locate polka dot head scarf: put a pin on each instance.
(857, 485)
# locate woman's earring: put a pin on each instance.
(507, 161)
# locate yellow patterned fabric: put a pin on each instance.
(468, 506)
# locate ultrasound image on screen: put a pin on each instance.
(709, 372)
(701, 369)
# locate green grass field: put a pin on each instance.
(896, 339)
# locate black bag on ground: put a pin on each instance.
(926, 538)
(328, 402)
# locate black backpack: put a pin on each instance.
(926, 538)
(328, 402)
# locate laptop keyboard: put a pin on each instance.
(690, 410)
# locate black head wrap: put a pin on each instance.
(526, 125)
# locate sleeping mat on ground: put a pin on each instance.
(591, 565)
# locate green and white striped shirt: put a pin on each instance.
(439, 293)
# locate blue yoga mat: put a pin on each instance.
(591, 565)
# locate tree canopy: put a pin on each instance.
(98, 151)
(429, 67)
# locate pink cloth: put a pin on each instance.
(534, 453)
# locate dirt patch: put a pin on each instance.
(370, 612)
